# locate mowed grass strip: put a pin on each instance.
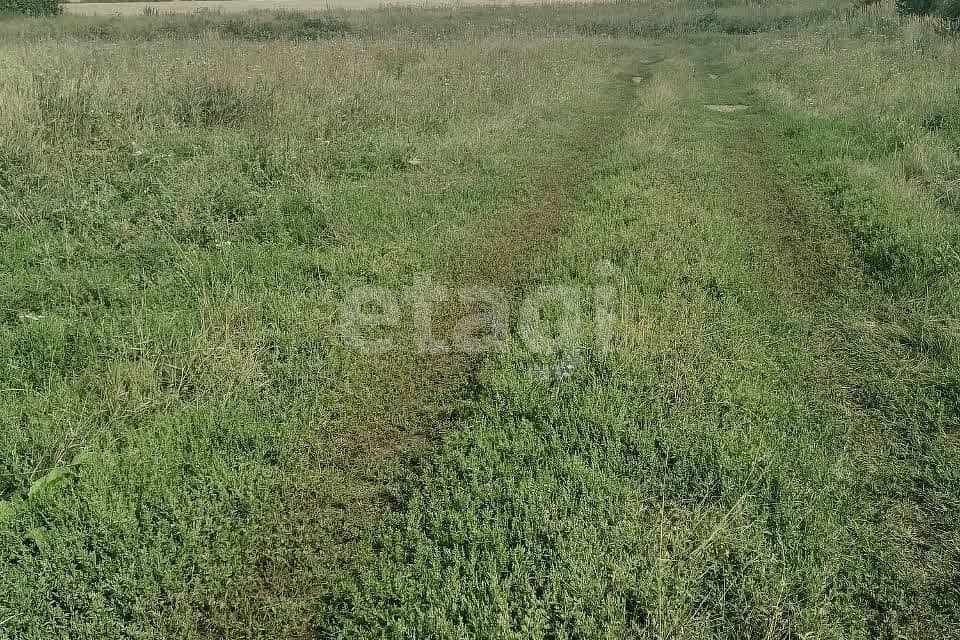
(769, 450)
(680, 485)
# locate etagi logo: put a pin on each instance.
(431, 318)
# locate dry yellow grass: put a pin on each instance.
(240, 6)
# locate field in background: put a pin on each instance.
(132, 8)
(192, 447)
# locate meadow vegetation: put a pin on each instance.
(944, 9)
(768, 448)
(33, 8)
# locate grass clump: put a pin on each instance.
(30, 7)
(948, 9)
(287, 25)
(220, 104)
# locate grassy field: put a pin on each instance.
(691, 366)
(136, 8)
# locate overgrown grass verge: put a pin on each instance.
(662, 18)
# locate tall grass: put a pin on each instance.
(32, 8)
(650, 18)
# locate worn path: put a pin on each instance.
(745, 462)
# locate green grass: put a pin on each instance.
(646, 19)
(34, 8)
(768, 447)
(749, 462)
